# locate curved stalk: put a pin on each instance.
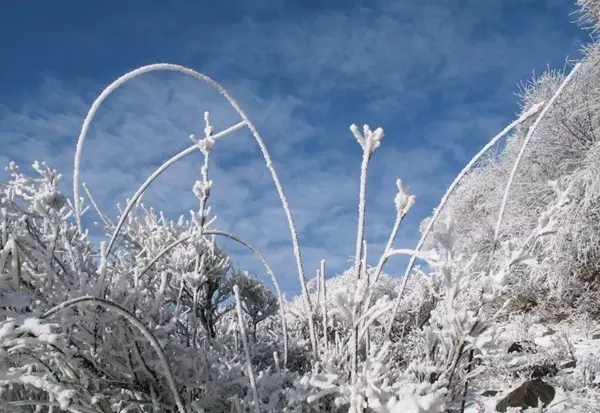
(258, 255)
(155, 175)
(136, 323)
(269, 163)
(528, 137)
(240, 317)
(531, 112)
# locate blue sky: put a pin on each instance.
(440, 77)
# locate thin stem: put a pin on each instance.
(362, 205)
(238, 307)
(260, 257)
(385, 255)
(520, 156)
(155, 175)
(358, 264)
(531, 112)
(176, 68)
(107, 92)
(466, 389)
(324, 303)
(136, 323)
(102, 216)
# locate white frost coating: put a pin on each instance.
(181, 69)
(530, 133)
(404, 201)
(240, 317)
(324, 303)
(360, 232)
(110, 89)
(136, 323)
(369, 142)
(156, 174)
(39, 403)
(14, 274)
(258, 255)
(534, 109)
(103, 264)
(102, 216)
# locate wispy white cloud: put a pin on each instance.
(439, 79)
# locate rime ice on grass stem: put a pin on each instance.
(136, 323)
(240, 316)
(324, 303)
(528, 137)
(525, 116)
(245, 122)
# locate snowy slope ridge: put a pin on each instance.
(502, 316)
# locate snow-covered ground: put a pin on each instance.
(585, 350)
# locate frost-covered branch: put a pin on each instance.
(136, 323)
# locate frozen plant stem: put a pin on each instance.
(404, 203)
(362, 206)
(245, 121)
(513, 171)
(255, 252)
(136, 323)
(324, 304)
(525, 116)
(203, 188)
(107, 92)
(102, 216)
(155, 175)
(369, 141)
(360, 231)
(242, 327)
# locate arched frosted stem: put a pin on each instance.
(530, 133)
(240, 317)
(531, 112)
(110, 89)
(155, 175)
(135, 322)
(103, 217)
(176, 68)
(260, 257)
(535, 109)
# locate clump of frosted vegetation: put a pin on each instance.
(163, 322)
